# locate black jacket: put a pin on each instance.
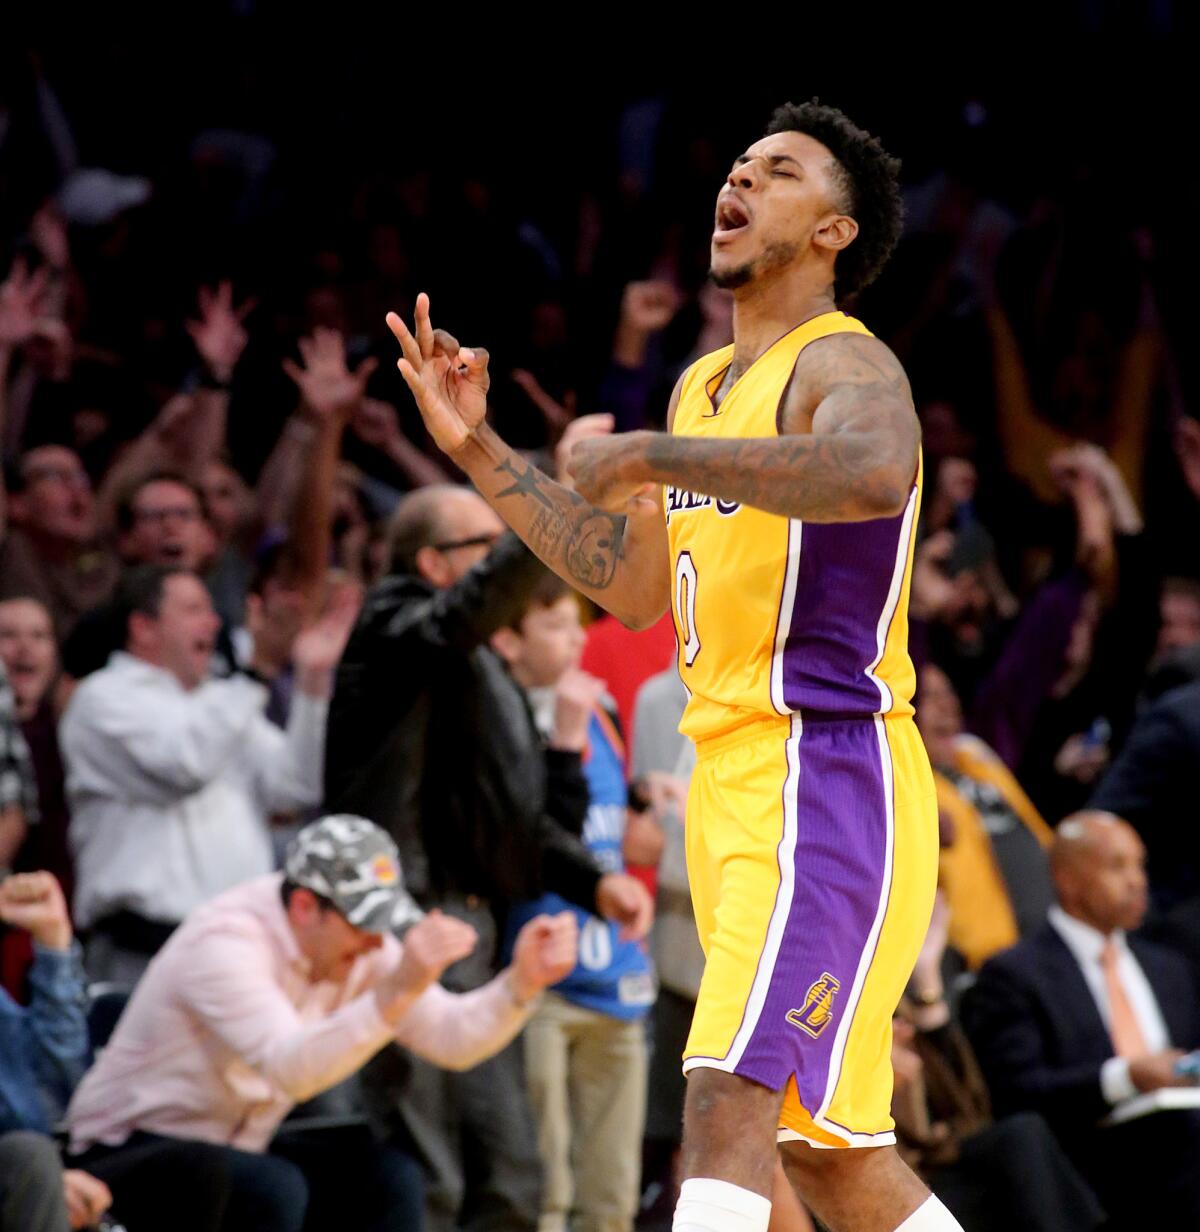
(1039, 1037)
(1152, 785)
(429, 737)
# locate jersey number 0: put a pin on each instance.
(685, 606)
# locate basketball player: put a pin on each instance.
(777, 518)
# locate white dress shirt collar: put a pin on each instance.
(1084, 941)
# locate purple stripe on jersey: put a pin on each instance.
(844, 577)
(841, 819)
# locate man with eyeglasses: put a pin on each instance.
(50, 552)
(160, 520)
(430, 737)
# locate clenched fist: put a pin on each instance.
(546, 951)
(430, 946)
(34, 901)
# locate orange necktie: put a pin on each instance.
(1127, 1036)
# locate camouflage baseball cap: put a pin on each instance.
(353, 863)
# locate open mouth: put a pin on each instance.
(731, 216)
(22, 671)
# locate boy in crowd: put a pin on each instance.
(585, 1047)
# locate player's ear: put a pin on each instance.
(835, 231)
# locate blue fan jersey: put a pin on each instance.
(612, 976)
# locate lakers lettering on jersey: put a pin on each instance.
(774, 615)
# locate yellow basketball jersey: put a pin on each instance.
(775, 615)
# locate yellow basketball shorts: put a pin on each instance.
(812, 849)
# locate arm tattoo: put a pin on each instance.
(816, 478)
(566, 528)
(524, 484)
(856, 464)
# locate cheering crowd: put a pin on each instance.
(345, 842)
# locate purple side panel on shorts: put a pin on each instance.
(841, 847)
(842, 586)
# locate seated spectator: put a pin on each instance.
(1152, 784)
(172, 777)
(993, 1175)
(51, 551)
(585, 1048)
(1079, 1017)
(43, 1053)
(30, 658)
(993, 866)
(272, 992)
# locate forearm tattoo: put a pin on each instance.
(563, 527)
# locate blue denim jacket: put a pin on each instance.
(43, 1046)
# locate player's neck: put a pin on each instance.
(762, 315)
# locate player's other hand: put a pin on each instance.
(605, 470)
(625, 901)
(448, 381)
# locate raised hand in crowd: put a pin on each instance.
(377, 424)
(557, 415)
(318, 648)
(219, 331)
(25, 312)
(328, 388)
(1086, 459)
(647, 308)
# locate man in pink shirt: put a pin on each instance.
(272, 992)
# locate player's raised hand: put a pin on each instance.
(448, 381)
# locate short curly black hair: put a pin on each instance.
(869, 177)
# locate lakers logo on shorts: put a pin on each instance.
(817, 1012)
